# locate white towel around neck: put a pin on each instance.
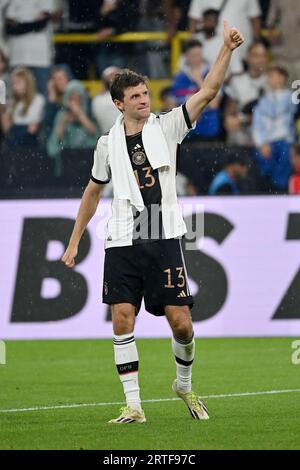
(156, 148)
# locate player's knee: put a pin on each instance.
(123, 325)
(182, 327)
(123, 319)
(183, 331)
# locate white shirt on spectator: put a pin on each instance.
(244, 89)
(34, 114)
(31, 49)
(104, 111)
(237, 12)
(211, 50)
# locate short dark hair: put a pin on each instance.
(233, 159)
(278, 69)
(211, 11)
(65, 68)
(258, 42)
(164, 92)
(126, 79)
(188, 45)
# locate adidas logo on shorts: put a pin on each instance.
(182, 294)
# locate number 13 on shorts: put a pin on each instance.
(172, 278)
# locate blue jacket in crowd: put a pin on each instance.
(223, 184)
(209, 124)
(274, 118)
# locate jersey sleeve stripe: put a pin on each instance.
(99, 181)
(186, 117)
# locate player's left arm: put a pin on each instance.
(214, 80)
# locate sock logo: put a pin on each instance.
(128, 368)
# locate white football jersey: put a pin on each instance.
(175, 126)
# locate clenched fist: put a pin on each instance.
(69, 256)
(233, 38)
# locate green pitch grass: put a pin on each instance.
(50, 373)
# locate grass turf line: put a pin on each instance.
(46, 373)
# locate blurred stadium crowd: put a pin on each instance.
(246, 141)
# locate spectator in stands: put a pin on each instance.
(226, 181)
(60, 77)
(176, 12)
(212, 41)
(116, 17)
(3, 42)
(294, 183)
(285, 16)
(73, 127)
(103, 108)
(80, 16)
(274, 129)
(243, 92)
(153, 18)
(167, 100)
(264, 5)
(4, 75)
(243, 14)
(188, 81)
(20, 125)
(21, 122)
(28, 27)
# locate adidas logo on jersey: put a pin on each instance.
(182, 294)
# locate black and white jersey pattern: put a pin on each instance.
(158, 187)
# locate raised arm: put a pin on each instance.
(87, 209)
(214, 80)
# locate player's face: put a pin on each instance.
(136, 102)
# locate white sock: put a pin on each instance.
(184, 352)
(127, 362)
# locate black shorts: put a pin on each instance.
(155, 271)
